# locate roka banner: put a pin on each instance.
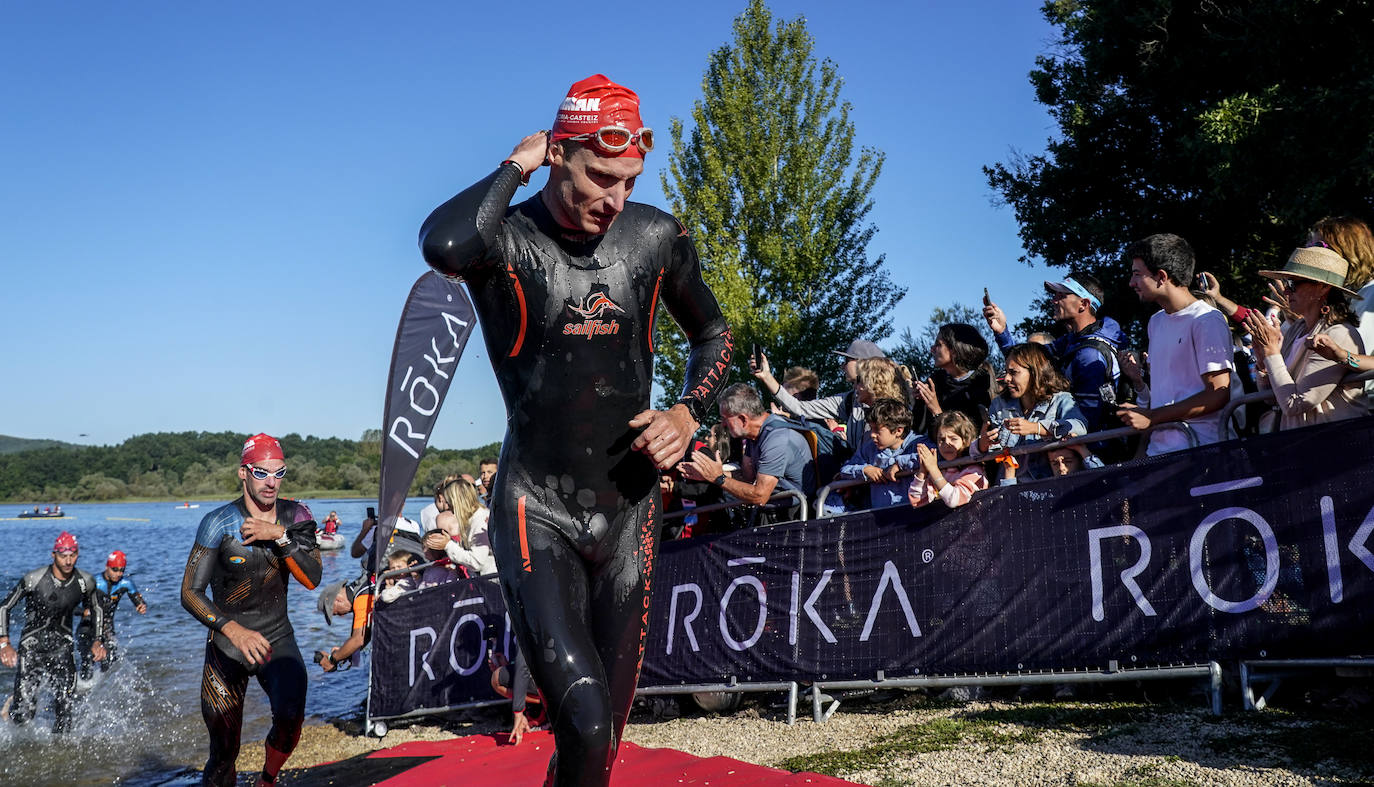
(429, 647)
(1253, 549)
(434, 328)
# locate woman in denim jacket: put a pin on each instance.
(1035, 405)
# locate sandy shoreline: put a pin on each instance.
(913, 740)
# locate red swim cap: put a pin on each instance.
(261, 447)
(596, 102)
(117, 560)
(65, 543)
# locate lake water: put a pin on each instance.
(141, 724)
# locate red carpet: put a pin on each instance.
(479, 760)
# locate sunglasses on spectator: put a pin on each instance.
(614, 139)
(261, 474)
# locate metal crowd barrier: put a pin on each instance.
(1273, 671)
(790, 494)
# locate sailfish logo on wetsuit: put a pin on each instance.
(586, 316)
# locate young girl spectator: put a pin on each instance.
(881, 378)
(890, 450)
(1309, 387)
(954, 433)
(959, 382)
(1036, 406)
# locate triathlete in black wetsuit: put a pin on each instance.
(52, 594)
(247, 550)
(566, 285)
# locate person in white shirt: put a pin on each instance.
(1190, 358)
(461, 529)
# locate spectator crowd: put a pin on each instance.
(893, 440)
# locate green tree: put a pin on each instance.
(769, 184)
(1233, 123)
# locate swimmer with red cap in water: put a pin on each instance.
(111, 586)
(566, 284)
(51, 594)
(247, 551)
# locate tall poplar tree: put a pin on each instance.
(770, 186)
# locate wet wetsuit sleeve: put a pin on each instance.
(20, 590)
(461, 233)
(694, 307)
(93, 605)
(200, 569)
(132, 589)
(302, 555)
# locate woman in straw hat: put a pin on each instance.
(1308, 387)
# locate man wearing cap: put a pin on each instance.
(346, 598)
(567, 284)
(1086, 353)
(51, 595)
(844, 408)
(110, 588)
(248, 550)
(1190, 349)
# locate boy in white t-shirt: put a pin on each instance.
(1190, 348)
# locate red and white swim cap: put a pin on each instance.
(594, 103)
(259, 448)
(117, 559)
(65, 543)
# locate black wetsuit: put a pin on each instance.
(568, 322)
(45, 645)
(108, 595)
(249, 582)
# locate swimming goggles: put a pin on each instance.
(261, 474)
(615, 139)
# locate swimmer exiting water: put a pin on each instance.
(247, 550)
(566, 285)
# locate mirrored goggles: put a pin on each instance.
(261, 474)
(615, 139)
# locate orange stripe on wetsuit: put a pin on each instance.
(520, 304)
(524, 540)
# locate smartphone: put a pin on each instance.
(987, 299)
(372, 513)
(758, 357)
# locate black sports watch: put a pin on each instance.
(720, 480)
(694, 407)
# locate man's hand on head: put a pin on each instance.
(531, 152)
(666, 436)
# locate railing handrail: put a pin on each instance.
(777, 497)
(1025, 449)
(1267, 395)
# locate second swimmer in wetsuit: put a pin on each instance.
(111, 586)
(567, 284)
(247, 551)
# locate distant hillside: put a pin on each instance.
(13, 445)
(182, 465)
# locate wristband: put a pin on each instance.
(524, 176)
(719, 481)
(1350, 360)
(284, 541)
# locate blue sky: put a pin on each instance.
(208, 212)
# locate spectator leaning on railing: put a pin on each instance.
(954, 435)
(1036, 406)
(1309, 387)
(890, 449)
(776, 457)
(1190, 348)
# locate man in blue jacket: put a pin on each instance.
(1086, 353)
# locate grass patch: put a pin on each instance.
(929, 736)
(1143, 776)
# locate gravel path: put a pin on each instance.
(913, 741)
